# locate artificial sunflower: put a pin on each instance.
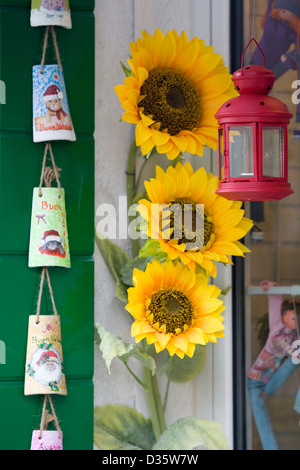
(175, 88)
(174, 308)
(223, 221)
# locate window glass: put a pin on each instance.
(273, 151)
(221, 154)
(241, 151)
(273, 417)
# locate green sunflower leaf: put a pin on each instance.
(189, 433)
(127, 270)
(151, 248)
(115, 258)
(118, 427)
(121, 292)
(126, 70)
(140, 196)
(183, 370)
(113, 346)
(226, 291)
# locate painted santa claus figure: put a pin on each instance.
(46, 366)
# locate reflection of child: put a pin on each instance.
(279, 345)
(281, 31)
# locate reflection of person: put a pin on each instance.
(281, 29)
(279, 345)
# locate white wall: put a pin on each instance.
(117, 23)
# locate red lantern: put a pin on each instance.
(253, 142)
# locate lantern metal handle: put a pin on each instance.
(252, 39)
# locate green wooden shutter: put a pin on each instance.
(20, 169)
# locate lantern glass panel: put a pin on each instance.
(241, 151)
(221, 154)
(273, 151)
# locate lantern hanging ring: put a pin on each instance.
(252, 39)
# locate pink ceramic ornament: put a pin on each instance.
(47, 440)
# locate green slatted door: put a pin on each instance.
(20, 169)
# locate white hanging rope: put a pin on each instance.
(253, 19)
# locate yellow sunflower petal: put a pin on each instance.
(180, 341)
(142, 134)
(147, 146)
(142, 75)
(195, 335)
(131, 118)
(166, 148)
(137, 310)
(162, 339)
(156, 271)
(209, 324)
(190, 350)
(143, 327)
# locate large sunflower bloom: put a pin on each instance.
(223, 225)
(174, 308)
(175, 89)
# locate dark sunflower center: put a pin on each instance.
(175, 98)
(186, 222)
(171, 308)
(171, 100)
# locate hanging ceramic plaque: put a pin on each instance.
(49, 245)
(50, 12)
(46, 440)
(44, 372)
(51, 114)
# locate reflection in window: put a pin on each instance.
(273, 151)
(221, 154)
(241, 151)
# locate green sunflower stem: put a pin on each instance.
(153, 396)
(159, 405)
(131, 188)
(132, 184)
(146, 160)
(133, 375)
(154, 403)
(166, 396)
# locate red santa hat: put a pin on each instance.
(51, 236)
(46, 355)
(52, 93)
